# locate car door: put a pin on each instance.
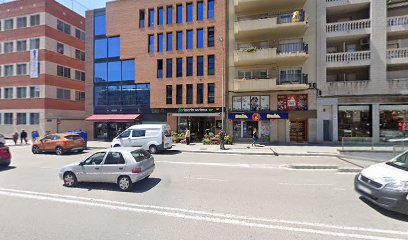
(138, 138)
(125, 138)
(90, 171)
(48, 143)
(113, 166)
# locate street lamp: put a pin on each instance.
(222, 86)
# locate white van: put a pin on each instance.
(151, 137)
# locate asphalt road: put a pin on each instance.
(191, 196)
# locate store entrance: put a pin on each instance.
(197, 125)
(249, 128)
(298, 131)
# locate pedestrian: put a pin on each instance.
(33, 136)
(188, 136)
(36, 136)
(222, 138)
(254, 137)
(23, 136)
(15, 138)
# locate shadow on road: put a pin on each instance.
(6, 168)
(169, 152)
(387, 213)
(139, 187)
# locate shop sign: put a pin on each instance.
(198, 110)
(257, 116)
(403, 126)
(292, 102)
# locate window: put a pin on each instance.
(200, 66)
(169, 94)
(189, 95)
(140, 155)
(8, 93)
(211, 65)
(79, 55)
(21, 118)
(79, 96)
(160, 68)
(160, 16)
(101, 72)
(8, 118)
(355, 120)
(63, 72)
(8, 47)
(100, 25)
(80, 34)
(151, 43)
(63, 94)
(200, 93)
(210, 40)
(211, 91)
(114, 71)
(151, 17)
(189, 13)
(34, 20)
(179, 41)
(160, 39)
(189, 42)
(200, 38)
(60, 25)
(169, 45)
(179, 14)
(128, 70)
(67, 28)
(60, 48)
(210, 9)
(141, 18)
(189, 66)
(125, 134)
(169, 68)
(34, 92)
(22, 46)
(34, 43)
(8, 24)
(8, 70)
(64, 27)
(138, 133)
(179, 70)
(169, 15)
(95, 159)
(179, 94)
(101, 48)
(114, 158)
(114, 47)
(21, 22)
(21, 92)
(21, 69)
(200, 10)
(79, 75)
(34, 118)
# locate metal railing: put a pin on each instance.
(348, 26)
(286, 17)
(348, 56)
(397, 21)
(293, 47)
(397, 53)
(296, 78)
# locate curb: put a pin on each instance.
(276, 154)
(313, 167)
(349, 170)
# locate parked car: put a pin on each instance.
(59, 143)
(2, 139)
(5, 156)
(386, 184)
(122, 166)
(151, 137)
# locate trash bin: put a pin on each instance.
(82, 134)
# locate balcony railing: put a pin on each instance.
(348, 26)
(297, 78)
(293, 48)
(397, 53)
(348, 56)
(287, 17)
(397, 21)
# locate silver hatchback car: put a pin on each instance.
(123, 166)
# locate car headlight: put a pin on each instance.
(397, 186)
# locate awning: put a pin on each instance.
(117, 118)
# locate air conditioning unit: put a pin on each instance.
(364, 41)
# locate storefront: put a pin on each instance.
(393, 122)
(107, 127)
(355, 121)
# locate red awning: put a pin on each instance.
(113, 118)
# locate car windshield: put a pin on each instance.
(400, 162)
(73, 137)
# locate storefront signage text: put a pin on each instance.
(257, 116)
(198, 110)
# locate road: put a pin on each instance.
(191, 196)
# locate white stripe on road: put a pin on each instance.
(238, 165)
(307, 184)
(206, 179)
(209, 216)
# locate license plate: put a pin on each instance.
(364, 189)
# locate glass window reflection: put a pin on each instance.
(101, 48)
(114, 71)
(100, 97)
(128, 70)
(101, 72)
(114, 47)
(100, 25)
(114, 95)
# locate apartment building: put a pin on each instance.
(153, 62)
(272, 70)
(42, 67)
(363, 70)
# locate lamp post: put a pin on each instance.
(222, 85)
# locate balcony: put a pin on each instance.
(295, 53)
(261, 25)
(346, 59)
(341, 3)
(397, 25)
(259, 5)
(283, 83)
(341, 29)
(397, 56)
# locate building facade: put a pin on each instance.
(154, 62)
(363, 70)
(272, 71)
(42, 67)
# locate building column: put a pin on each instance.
(376, 122)
(274, 131)
(287, 130)
(335, 122)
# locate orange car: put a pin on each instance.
(59, 143)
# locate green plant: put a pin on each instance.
(217, 136)
(251, 49)
(211, 134)
(228, 140)
(207, 141)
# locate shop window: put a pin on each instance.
(251, 103)
(355, 121)
(292, 102)
(393, 121)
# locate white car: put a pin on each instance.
(151, 137)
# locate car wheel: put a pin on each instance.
(124, 183)
(153, 149)
(36, 149)
(59, 150)
(70, 179)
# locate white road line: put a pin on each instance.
(307, 184)
(206, 179)
(238, 165)
(4, 191)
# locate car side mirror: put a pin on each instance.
(81, 163)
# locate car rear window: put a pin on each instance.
(73, 137)
(140, 155)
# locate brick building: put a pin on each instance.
(155, 61)
(42, 67)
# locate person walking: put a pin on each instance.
(222, 138)
(188, 136)
(33, 138)
(23, 136)
(15, 138)
(254, 137)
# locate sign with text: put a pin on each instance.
(257, 116)
(199, 110)
(34, 63)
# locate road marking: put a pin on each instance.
(238, 165)
(206, 179)
(307, 184)
(210, 216)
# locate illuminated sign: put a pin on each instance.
(257, 116)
